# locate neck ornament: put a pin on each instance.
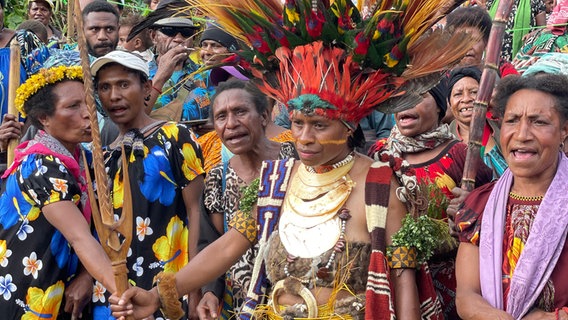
(310, 210)
(322, 169)
(316, 197)
(523, 198)
(324, 271)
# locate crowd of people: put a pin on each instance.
(287, 160)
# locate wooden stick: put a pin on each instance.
(70, 21)
(13, 84)
(109, 231)
(490, 72)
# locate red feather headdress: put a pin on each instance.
(329, 59)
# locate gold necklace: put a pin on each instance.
(313, 198)
(523, 198)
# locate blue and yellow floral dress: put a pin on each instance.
(160, 166)
(36, 262)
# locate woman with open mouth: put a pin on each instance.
(434, 155)
(462, 91)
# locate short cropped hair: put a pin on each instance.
(553, 84)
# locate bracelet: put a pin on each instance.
(158, 90)
(402, 258)
(170, 306)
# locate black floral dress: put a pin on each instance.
(36, 261)
(160, 166)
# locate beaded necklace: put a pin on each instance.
(324, 169)
(523, 198)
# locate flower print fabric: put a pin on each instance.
(35, 259)
(160, 165)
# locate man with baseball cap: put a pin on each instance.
(171, 68)
(165, 167)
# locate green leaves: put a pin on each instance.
(422, 233)
(249, 196)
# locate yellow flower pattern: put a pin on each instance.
(5, 253)
(42, 305)
(190, 162)
(171, 249)
(171, 130)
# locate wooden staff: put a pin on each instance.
(490, 72)
(70, 21)
(13, 84)
(110, 232)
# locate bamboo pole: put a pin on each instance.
(110, 232)
(490, 71)
(13, 84)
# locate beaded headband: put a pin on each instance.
(43, 78)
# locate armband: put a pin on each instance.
(402, 258)
(245, 225)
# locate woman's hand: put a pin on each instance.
(135, 302)
(455, 203)
(10, 129)
(78, 293)
(208, 306)
(194, 298)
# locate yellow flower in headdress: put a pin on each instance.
(43, 305)
(43, 78)
(172, 249)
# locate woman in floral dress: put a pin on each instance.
(44, 212)
(166, 174)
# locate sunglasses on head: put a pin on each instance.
(173, 31)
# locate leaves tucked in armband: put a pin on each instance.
(243, 221)
(249, 196)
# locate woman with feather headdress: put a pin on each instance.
(322, 223)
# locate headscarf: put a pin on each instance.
(460, 73)
(439, 93)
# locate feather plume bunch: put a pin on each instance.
(354, 61)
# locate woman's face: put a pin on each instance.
(462, 97)
(531, 134)
(69, 123)
(40, 12)
(319, 140)
(474, 56)
(422, 118)
(237, 122)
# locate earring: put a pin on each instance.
(147, 98)
(562, 146)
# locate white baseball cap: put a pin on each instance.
(124, 58)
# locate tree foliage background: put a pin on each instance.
(16, 11)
